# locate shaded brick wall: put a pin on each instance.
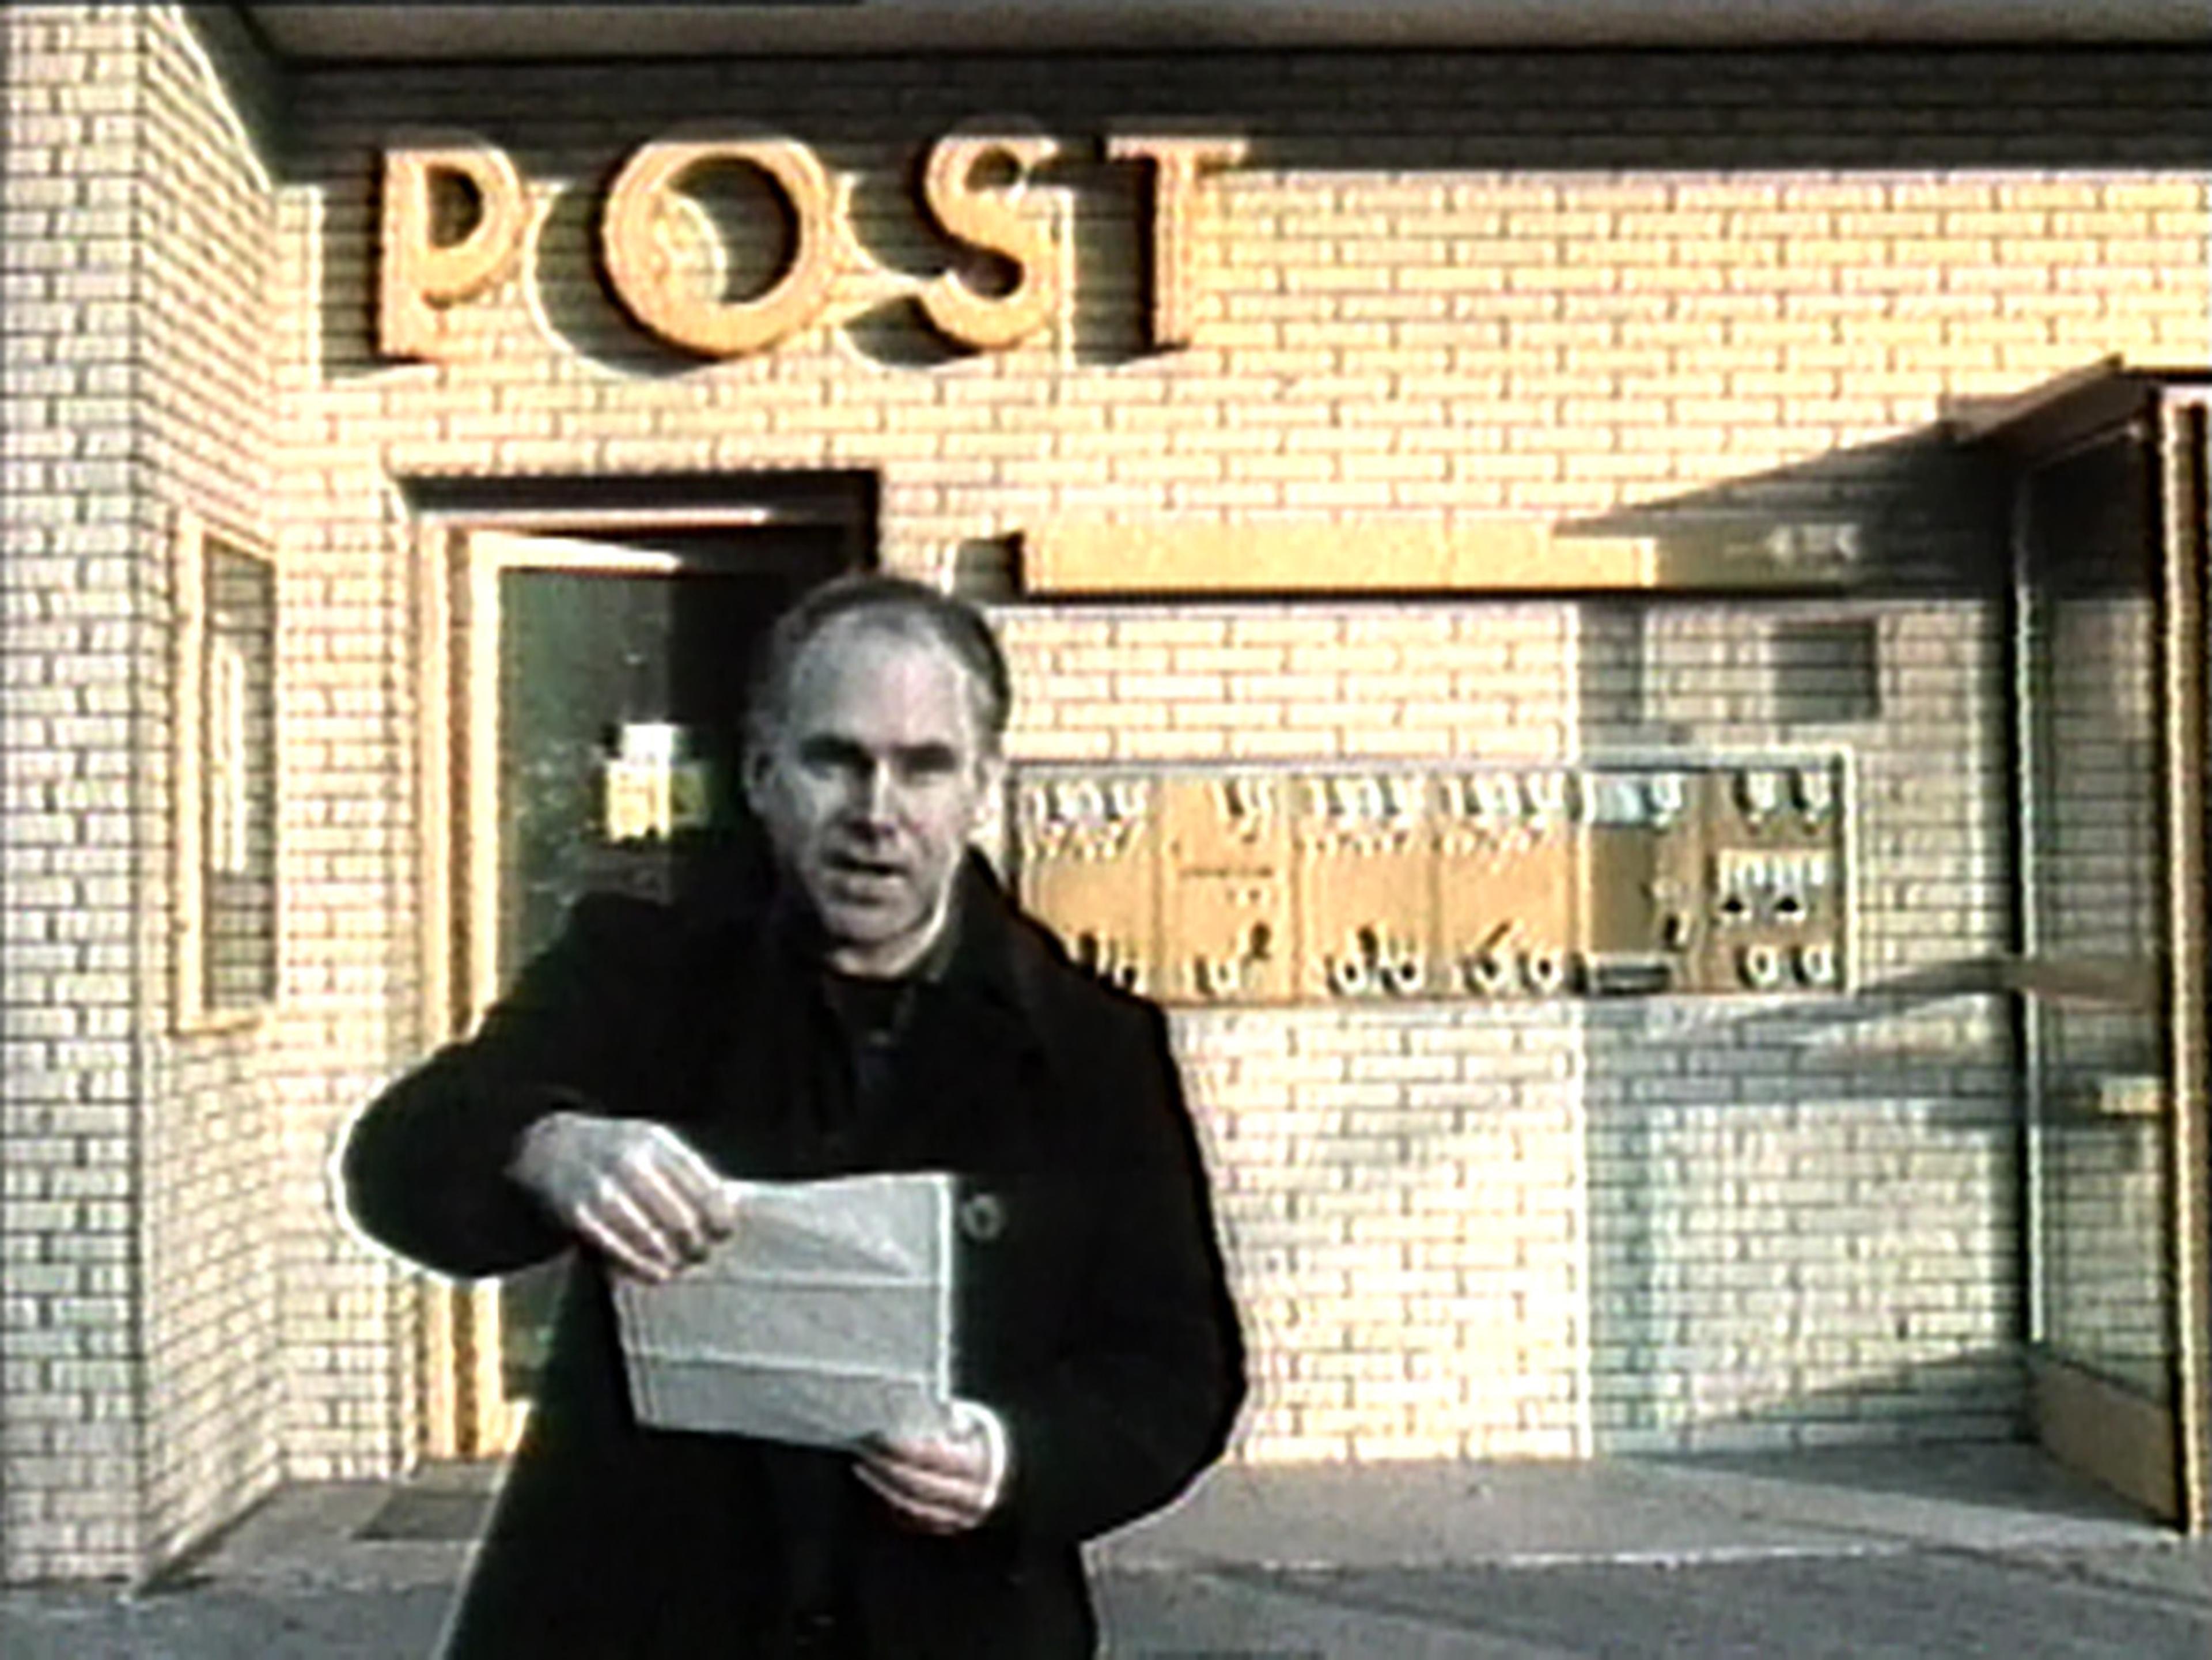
(141, 1341)
(209, 1229)
(1495, 1231)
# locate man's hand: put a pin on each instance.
(636, 1191)
(940, 1483)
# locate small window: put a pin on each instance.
(1825, 672)
(225, 778)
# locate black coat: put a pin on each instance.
(1093, 1313)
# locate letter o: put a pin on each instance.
(639, 268)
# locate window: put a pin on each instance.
(225, 778)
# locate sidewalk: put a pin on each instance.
(1937, 1552)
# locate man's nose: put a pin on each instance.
(872, 799)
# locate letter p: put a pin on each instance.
(421, 278)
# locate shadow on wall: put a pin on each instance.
(1802, 1214)
(1970, 1396)
(1916, 515)
(1415, 113)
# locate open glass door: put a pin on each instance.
(2109, 569)
(599, 680)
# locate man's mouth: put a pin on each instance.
(856, 870)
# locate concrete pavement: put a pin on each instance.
(1918, 1552)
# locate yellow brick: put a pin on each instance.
(1726, 412)
(2044, 194)
(1137, 745)
(2168, 254)
(2105, 278)
(2099, 225)
(2000, 222)
(1785, 227)
(1937, 251)
(1955, 192)
(1673, 275)
(1621, 196)
(1672, 436)
(1833, 195)
(1835, 251)
(1889, 279)
(1620, 466)
(1083, 716)
(2154, 194)
(1274, 745)
(1356, 466)
(1726, 193)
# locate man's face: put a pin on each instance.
(870, 786)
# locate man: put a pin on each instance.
(877, 1005)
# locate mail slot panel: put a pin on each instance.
(1090, 864)
(1641, 899)
(1775, 879)
(1506, 882)
(1681, 874)
(1226, 922)
(1365, 886)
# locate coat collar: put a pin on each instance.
(977, 962)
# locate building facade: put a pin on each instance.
(1452, 442)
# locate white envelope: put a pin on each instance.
(825, 1317)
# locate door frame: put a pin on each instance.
(460, 554)
(2158, 1455)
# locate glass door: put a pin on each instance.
(601, 686)
(2109, 564)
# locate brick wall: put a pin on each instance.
(1803, 1213)
(207, 1278)
(140, 1334)
(1682, 296)
(1687, 297)
(1500, 1231)
(80, 648)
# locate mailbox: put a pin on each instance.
(1682, 874)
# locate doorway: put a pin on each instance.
(2110, 564)
(595, 678)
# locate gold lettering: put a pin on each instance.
(419, 278)
(634, 241)
(1176, 167)
(993, 221)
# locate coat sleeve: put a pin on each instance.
(424, 1166)
(1143, 1396)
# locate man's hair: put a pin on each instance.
(896, 604)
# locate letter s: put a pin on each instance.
(992, 222)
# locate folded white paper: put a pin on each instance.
(826, 1316)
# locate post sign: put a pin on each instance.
(424, 276)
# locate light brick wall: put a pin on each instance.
(141, 1341)
(81, 648)
(1682, 296)
(207, 1280)
(1402, 1191)
(1685, 297)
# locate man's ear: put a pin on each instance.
(753, 768)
